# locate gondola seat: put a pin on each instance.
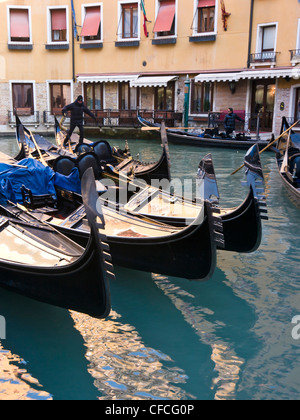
(32, 201)
(103, 151)
(64, 165)
(88, 160)
(82, 148)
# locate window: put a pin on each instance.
(93, 93)
(266, 43)
(206, 16)
(130, 21)
(58, 25)
(165, 24)
(128, 97)
(60, 95)
(164, 97)
(22, 94)
(19, 26)
(201, 97)
(268, 39)
(91, 29)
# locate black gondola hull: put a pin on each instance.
(189, 254)
(74, 286)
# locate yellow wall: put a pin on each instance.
(229, 51)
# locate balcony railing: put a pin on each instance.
(295, 56)
(254, 122)
(120, 118)
(28, 117)
(264, 57)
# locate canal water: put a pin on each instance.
(230, 338)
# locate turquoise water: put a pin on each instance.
(168, 338)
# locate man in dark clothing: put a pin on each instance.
(229, 121)
(77, 109)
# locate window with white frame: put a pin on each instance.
(19, 25)
(23, 97)
(205, 17)
(92, 26)
(57, 25)
(129, 21)
(166, 19)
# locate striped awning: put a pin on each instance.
(106, 78)
(248, 74)
(153, 81)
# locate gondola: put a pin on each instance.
(120, 160)
(139, 243)
(242, 225)
(288, 162)
(209, 138)
(40, 263)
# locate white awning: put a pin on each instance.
(248, 74)
(106, 78)
(154, 81)
(216, 77)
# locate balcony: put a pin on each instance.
(267, 58)
(295, 57)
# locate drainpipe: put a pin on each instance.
(250, 33)
(73, 50)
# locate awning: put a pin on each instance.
(165, 17)
(91, 22)
(248, 74)
(106, 78)
(206, 3)
(58, 20)
(19, 23)
(154, 81)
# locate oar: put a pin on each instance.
(37, 148)
(168, 128)
(269, 145)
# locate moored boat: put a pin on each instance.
(207, 138)
(39, 147)
(288, 162)
(39, 262)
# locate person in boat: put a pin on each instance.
(77, 110)
(229, 121)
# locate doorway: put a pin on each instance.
(263, 101)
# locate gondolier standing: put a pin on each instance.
(229, 121)
(77, 109)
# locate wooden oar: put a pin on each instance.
(37, 148)
(169, 128)
(284, 166)
(269, 145)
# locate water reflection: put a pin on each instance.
(41, 339)
(122, 366)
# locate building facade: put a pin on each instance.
(151, 56)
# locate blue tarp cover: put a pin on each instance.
(36, 177)
(70, 183)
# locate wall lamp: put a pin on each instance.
(232, 86)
